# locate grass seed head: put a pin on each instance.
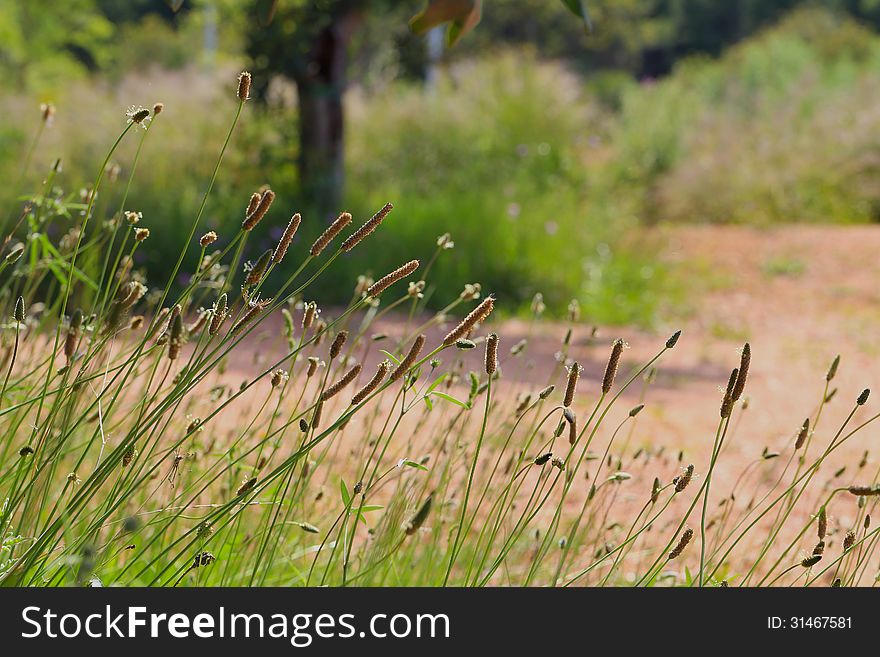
(328, 235)
(207, 239)
(410, 358)
(218, 314)
(744, 363)
(574, 373)
(372, 384)
(337, 387)
(390, 279)
(18, 311)
(682, 480)
(802, 434)
(477, 315)
(253, 217)
(812, 560)
(419, 517)
(253, 310)
(337, 344)
(865, 491)
(286, 238)
(612, 366)
(727, 401)
(256, 273)
(244, 86)
(686, 537)
(364, 231)
(491, 353)
(832, 370)
(175, 336)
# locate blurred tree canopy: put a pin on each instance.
(319, 45)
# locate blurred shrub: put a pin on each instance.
(784, 127)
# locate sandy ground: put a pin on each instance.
(799, 295)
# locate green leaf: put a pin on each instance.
(411, 464)
(428, 402)
(579, 9)
(436, 383)
(346, 498)
(461, 15)
(394, 359)
(370, 507)
(450, 398)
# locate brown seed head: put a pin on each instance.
(253, 310)
(832, 371)
(655, 490)
(574, 373)
(286, 238)
(244, 86)
(419, 517)
(811, 561)
(372, 384)
(744, 362)
(18, 311)
(727, 401)
(682, 481)
(802, 434)
(864, 491)
(175, 336)
(364, 231)
(328, 235)
(491, 353)
(478, 314)
(253, 202)
(73, 333)
(256, 273)
(571, 419)
(207, 239)
(822, 525)
(390, 279)
(337, 387)
(673, 339)
(613, 364)
(218, 314)
(411, 357)
(686, 537)
(337, 344)
(263, 205)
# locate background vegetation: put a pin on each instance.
(555, 146)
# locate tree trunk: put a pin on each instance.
(320, 90)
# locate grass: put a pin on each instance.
(134, 454)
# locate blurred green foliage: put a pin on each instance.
(543, 175)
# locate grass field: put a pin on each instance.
(221, 426)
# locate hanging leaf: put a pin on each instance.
(461, 15)
(579, 9)
(266, 11)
